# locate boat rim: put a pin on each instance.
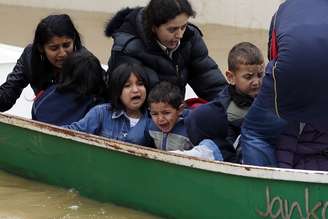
(177, 159)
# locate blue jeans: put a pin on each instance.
(261, 126)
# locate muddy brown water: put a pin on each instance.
(26, 199)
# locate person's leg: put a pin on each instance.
(261, 126)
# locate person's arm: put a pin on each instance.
(206, 79)
(16, 81)
(90, 123)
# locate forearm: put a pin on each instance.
(16, 81)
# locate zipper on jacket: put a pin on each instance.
(164, 141)
(179, 79)
(177, 70)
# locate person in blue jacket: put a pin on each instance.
(295, 81)
(80, 86)
(125, 118)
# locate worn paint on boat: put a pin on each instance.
(159, 182)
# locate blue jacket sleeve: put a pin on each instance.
(90, 123)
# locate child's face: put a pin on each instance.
(164, 115)
(247, 79)
(133, 96)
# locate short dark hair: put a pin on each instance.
(244, 53)
(51, 26)
(119, 76)
(82, 73)
(159, 12)
(166, 92)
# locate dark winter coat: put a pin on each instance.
(299, 50)
(303, 147)
(209, 121)
(236, 106)
(62, 108)
(190, 63)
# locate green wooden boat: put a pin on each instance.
(165, 184)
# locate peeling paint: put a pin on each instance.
(176, 159)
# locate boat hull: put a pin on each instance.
(158, 182)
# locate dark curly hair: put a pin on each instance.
(166, 92)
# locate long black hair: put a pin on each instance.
(119, 77)
(53, 25)
(159, 12)
(82, 74)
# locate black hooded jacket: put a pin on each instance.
(190, 63)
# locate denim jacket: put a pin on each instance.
(104, 121)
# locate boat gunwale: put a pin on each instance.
(271, 173)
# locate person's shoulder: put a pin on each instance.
(83, 49)
(123, 21)
(127, 41)
(28, 47)
(27, 51)
(123, 27)
(194, 29)
(180, 127)
(185, 113)
(44, 96)
(224, 97)
(192, 35)
(103, 107)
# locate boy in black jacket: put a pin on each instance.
(245, 73)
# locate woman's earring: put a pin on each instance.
(41, 58)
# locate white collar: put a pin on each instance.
(168, 51)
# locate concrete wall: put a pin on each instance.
(239, 13)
